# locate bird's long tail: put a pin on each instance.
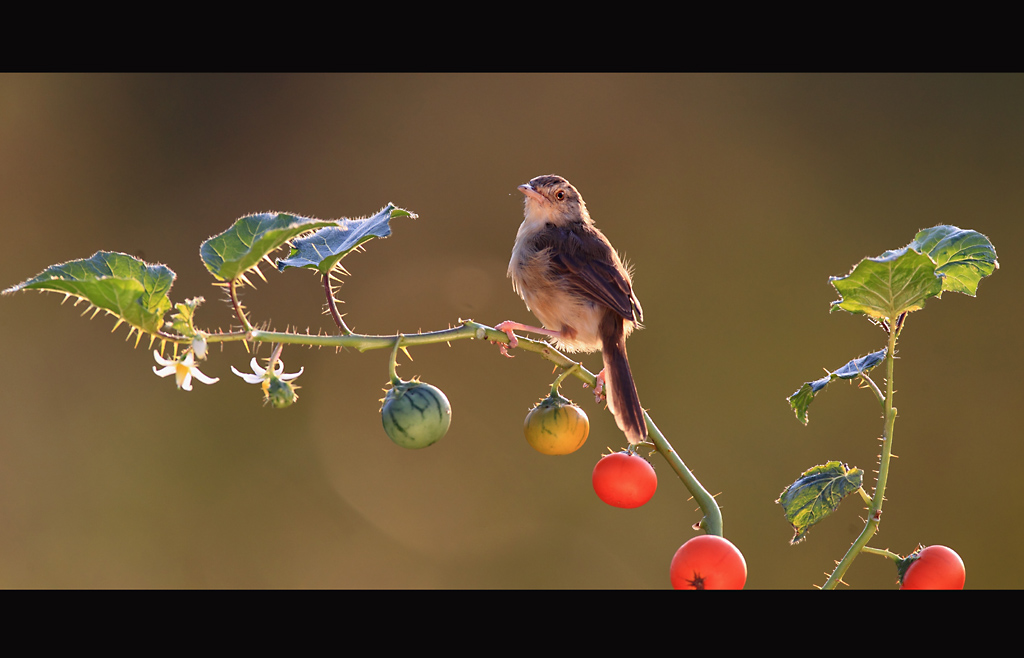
(623, 401)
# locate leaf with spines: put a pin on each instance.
(131, 289)
(239, 249)
(962, 257)
(938, 259)
(182, 321)
(884, 287)
(802, 398)
(324, 249)
(816, 494)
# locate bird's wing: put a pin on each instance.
(585, 260)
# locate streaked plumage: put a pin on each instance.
(572, 279)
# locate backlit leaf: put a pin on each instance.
(816, 494)
(323, 249)
(803, 397)
(884, 287)
(131, 289)
(241, 247)
(961, 256)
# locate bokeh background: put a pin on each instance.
(735, 196)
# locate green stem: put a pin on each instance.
(712, 521)
(233, 294)
(558, 382)
(274, 356)
(883, 552)
(874, 388)
(875, 507)
(395, 380)
(332, 304)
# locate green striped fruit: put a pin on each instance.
(556, 426)
(415, 415)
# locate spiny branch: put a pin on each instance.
(333, 305)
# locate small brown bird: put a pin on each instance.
(571, 278)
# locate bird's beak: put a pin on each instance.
(530, 192)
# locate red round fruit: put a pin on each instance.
(708, 562)
(936, 567)
(623, 479)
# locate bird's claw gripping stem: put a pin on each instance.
(513, 342)
(599, 395)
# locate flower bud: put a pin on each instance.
(280, 393)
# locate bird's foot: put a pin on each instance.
(599, 395)
(507, 326)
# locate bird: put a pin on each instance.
(575, 282)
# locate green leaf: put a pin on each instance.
(816, 494)
(961, 256)
(324, 249)
(896, 282)
(803, 397)
(250, 238)
(131, 289)
(183, 319)
(938, 259)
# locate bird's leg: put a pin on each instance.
(507, 326)
(599, 387)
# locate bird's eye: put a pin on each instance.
(560, 194)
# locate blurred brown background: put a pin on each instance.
(735, 196)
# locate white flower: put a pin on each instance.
(183, 369)
(263, 376)
(274, 382)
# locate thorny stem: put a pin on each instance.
(233, 293)
(712, 521)
(875, 507)
(558, 382)
(900, 322)
(883, 552)
(874, 388)
(395, 380)
(220, 337)
(333, 305)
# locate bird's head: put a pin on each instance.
(553, 199)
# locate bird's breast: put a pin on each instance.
(553, 300)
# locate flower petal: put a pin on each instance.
(288, 378)
(203, 378)
(161, 360)
(165, 371)
(249, 378)
(255, 365)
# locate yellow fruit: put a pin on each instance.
(556, 427)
